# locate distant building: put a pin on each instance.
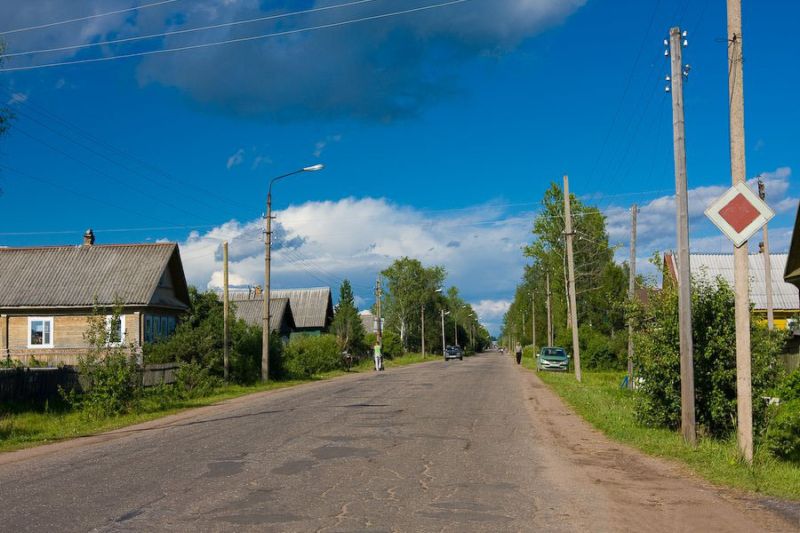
(785, 299)
(307, 311)
(48, 293)
(369, 321)
(251, 310)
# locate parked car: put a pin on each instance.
(453, 352)
(552, 358)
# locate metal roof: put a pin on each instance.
(784, 295)
(251, 311)
(311, 308)
(82, 276)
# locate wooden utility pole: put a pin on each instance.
(533, 320)
(762, 193)
(549, 313)
(266, 295)
(682, 216)
(576, 348)
(632, 291)
(741, 274)
(379, 328)
(422, 316)
(225, 304)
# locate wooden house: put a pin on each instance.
(47, 295)
(251, 310)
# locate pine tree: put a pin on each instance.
(346, 323)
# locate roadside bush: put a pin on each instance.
(598, 350)
(195, 381)
(657, 360)
(782, 437)
(309, 355)
(789, 388)
(111, 386)
(528, 352)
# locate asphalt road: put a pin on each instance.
(473, 445)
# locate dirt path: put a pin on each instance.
(627, 490)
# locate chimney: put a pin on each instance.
(88, 237)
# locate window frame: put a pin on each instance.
(43, 319)
(121, 331)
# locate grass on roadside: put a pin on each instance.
(23, 425)
(601, 401)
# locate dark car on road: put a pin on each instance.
(453, 352)
(552, 358)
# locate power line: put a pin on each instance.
(187, 30)
(238, 40)
(89, 17)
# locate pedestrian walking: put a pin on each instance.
(518, 352)
(378, 357)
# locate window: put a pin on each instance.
(148, 328)
(40, 332)
(115, 326)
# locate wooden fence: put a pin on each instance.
(40, 384)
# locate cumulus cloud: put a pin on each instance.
(656, 221)
(321, 243)
(378, 70)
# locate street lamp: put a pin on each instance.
(267, 258)
(422, 316)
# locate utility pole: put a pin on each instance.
(744, 399)
(378, 294)
(444, 342)
(632, 291)
(533, 319)
(762, 193)
(455, 326)
(422, 316)
(522, 332)
(576, 348)
(225, 304)
(682, 216)
(266, 295)
(549, 314)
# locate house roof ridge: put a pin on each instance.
(71, 246)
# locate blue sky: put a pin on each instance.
(439, 130)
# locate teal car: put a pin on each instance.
(552, 358)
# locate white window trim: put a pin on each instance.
(52, 331)
(121, 330)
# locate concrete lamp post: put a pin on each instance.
(267, 258)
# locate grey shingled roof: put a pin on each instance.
(784, 295)
(251, 311)
(79, 276)
(311, 308)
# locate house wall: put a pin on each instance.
(68, 341)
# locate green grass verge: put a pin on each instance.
(610, 409)
(24, 425)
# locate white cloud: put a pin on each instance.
(656, 220)
(236, 159)
(17, 98)
(321, 243)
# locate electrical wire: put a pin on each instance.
(237, 40)
(88, 17)
(184, 31)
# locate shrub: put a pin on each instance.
(657, 360)
(789, 388)
(195, 381)
(783, 434)
(111, 386)
(309, 355)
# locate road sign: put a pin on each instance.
(739, 213)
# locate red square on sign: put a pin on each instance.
(739, 213)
